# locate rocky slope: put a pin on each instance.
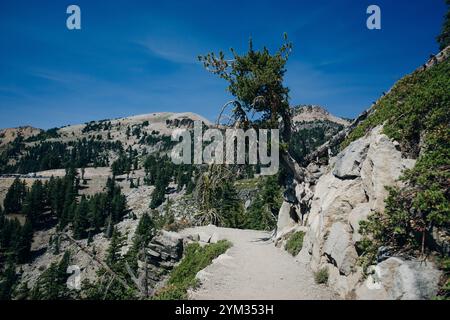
(332, 200)
(9, 135)
(337, 197)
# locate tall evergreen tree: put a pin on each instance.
(34, 204)
(23, 248)
(80, 220)
(51, 285)
(114, 256)
(15, 196)
(8, 280)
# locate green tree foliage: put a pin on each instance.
(444, 38)
(262, 213)
(35, 202)
(23, 247)
(15, 196)
(145, 232)
(114, 257)
(8, 281)
(256, 80)
(81, 219)
(162, 142)
(12, 151)
(51, 284)
(48, 155)
(125, 163)
(15, 240)
(108, 287)
(160, 171)
(310, 136)
(44, 135)
(58, 198)
(96, 126)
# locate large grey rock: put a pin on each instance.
(359, 213)
(285, 219)
(399, 279)
(340, 249)
(348, 162)
(215, 237)
(343, 284)
(383, 166)
(204, 237)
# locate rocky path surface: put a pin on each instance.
(255, 269)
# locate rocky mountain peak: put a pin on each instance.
(310, 113)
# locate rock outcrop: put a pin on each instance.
(396, 278)
(333, 199)
(165, 249)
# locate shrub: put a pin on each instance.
(295, 243)
(321, 276)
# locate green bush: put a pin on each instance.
(183, 276)
(321, 276)
(295, 243)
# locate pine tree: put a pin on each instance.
(114, 256)
(7, 281)
(230, 206)
(80, 220)
(34, 204)
(15, 196)
(145, 231)
(24, 245)
(51, 285)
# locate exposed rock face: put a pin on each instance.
(339, 248)
(165, 249)
(332, 200)
(285, 219)
(397, 279)
(348, 164)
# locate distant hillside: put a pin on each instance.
(8, 135)
(92, 144)
(312, 126)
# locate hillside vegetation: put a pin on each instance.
(416, 114)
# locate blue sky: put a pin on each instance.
(134, 57)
